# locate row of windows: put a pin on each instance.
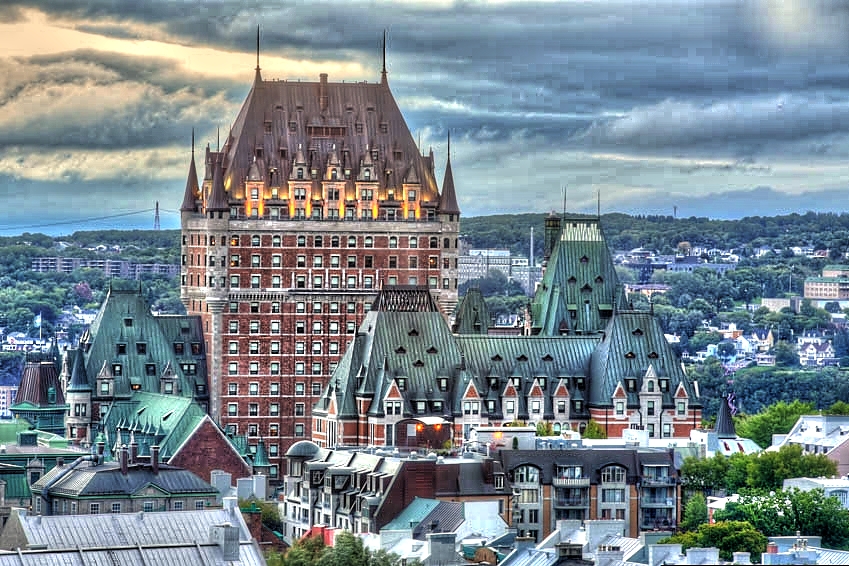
(273, 410)
(335, 261)
(317, 368)
(334, 282)
(273, 430)
(413, 242)
(300, 307)
(254, 327)
(273, 389)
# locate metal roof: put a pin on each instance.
(124, 529)
(150, 555)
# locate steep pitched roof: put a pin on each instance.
(192, 192)
(217, 201)
(448, 200)
(280, 117)
(152, 419)
(580, 289)
(472, 314)
(40, 385)
(633, 342)
(125, 333)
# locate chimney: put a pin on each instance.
(154, 458)
(100, 447)
(2, 493)
(124, 458)
(134, 450)
(322, 91)
(230, 504)
(772, 548)
(226, 536)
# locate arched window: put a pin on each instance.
(367, 174)
(434, 242)
(334, 174)
(393, 241)
(526, 474)
(368, 242)
(613, 474)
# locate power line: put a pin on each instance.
(77, 221)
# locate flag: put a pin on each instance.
(36, 323)
(731, 406)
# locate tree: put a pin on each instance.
(304, 552)
(728, 536)
(594, 430)
(838, 408)
(545, 428)
(785, 354)
(726, 350)
(695, 512)
(704, 475)
(782, 513)
(768, 470)
(778, 418)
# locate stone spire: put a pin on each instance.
(448, 199)
(190, 196)
(218, 197)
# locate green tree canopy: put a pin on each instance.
(695, 512)
(728, 536)
(777, 418)
(783, 513)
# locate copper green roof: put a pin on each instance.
(633, 342)
(579, 290)
(152, 418)
(126, 334)
(472, 314)
(261, 456)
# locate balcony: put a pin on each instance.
(657, 502)
(657, 481)
(570, 482)
(571, 502)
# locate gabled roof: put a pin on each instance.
(632, 343)
(153, 419)
(148, 347)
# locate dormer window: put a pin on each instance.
(128, 322)
(120, 349)
(367, 174)
(442, 383)
(334, 174)
(300, 173)
(402, 383)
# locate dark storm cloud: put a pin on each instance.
(99, 100)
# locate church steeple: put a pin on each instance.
(190, 196)
(448, 199)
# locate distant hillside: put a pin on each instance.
(663, 233)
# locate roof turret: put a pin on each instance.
(448, 199)
(218, 197)
(192, 190)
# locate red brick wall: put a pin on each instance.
(208, 450)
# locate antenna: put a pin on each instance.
(383, 70)
(156, 217)
(218, 136)
(193, 143)
(564, 200)
(449, 145)
(598, 203)
(257, 47)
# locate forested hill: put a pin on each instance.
(512, 231)
(663, 233)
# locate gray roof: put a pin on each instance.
(124, 529)
(107, 479)
(154, 555)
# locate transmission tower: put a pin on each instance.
(156, 217)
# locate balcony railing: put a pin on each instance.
(567, 502)
(570, 482)
(657, 502)
(651, 481)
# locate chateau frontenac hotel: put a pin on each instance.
(321, 254)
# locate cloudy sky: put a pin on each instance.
(712, 108)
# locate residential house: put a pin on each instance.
(820, 434)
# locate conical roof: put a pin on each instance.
(724, 422)
(190, 196)
(218, 197)
(79, 379)
(261, 456)
(448, 199)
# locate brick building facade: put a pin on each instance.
(318, 197)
